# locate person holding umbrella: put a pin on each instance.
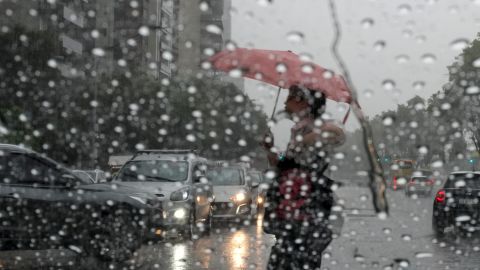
(299, 201)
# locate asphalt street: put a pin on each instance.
(404, 240)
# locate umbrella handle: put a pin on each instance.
(276, 101)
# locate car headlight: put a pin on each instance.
(239, 197)
(180, 195)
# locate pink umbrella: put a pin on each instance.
(283, 69)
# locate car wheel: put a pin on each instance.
(439, 229)
(209, 223)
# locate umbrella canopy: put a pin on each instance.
(283, 69)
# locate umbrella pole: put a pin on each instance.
(276, 101)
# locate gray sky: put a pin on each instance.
(409, 32)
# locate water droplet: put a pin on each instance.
(363, 197)
(235, 73)
(422, 149)
(140, 146)
(339, 155)
(204, 6)
(52, 63)
(305, 57)
(239, 98)
(133, 107)
(428, 58)
(22, 117)
(472, 90)
(307, 68)
(367, 23)
(95, 33)
(327, 74)
(406, 237)
(388, 84)
(110, 202)
(476, 63)
(359, 258)
(98, 52)
(144, 31)
(197, 113)
(437, 164)
(122, 62)
(368, 93)
(214, 29)
(387, 230)
(281, 68)
(421, 255)
(459, 44)
(421, 39)
(190, 138)
(230, 45)
(295, 37)
(242, 142)
(270, 174)
(403, 263)
(402, 59)
(167, 55)
(418, 85)
(463, 218)
(382, 215)
(388, 120)
(379, 45)
(404, 9)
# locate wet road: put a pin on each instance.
(403, 241)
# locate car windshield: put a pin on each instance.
(420, 179)
(154, 171)
(225, 176)
(86, 177)
(469, 181)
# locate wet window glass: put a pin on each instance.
(154, 170)
(225, 177)
(239, 134)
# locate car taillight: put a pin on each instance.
(430, 181)
(394, 183)
(440, 197)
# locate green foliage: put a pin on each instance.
(82, 121)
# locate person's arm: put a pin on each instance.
(267, 145)
(330, 134)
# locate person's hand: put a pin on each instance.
(268, 141)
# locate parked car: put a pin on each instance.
(400, 171)
(420, 185)
(177, 179)
(85, 176)
(456, 205)
(43, 206)
(232, 190)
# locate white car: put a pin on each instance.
(232, 191)
(177, 179)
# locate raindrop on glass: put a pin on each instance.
(235, 73)
(281, 68)
(368, 93)
(422, 149)
(388, 121)
(307, 68)
(402, 59)
(418, 85)
(459, 44)
(379, 45)
(472, 90)
(203, 6)
(167, 55)
(476, 63)
(140, 146)
(95, 33)
(295, 37)
(428, 58)
(404, 9)
(388, 84)
(367, 23)
(98, 52)
(214, 29)
(52, 63)
(144, 31)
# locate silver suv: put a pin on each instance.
(177, 178)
